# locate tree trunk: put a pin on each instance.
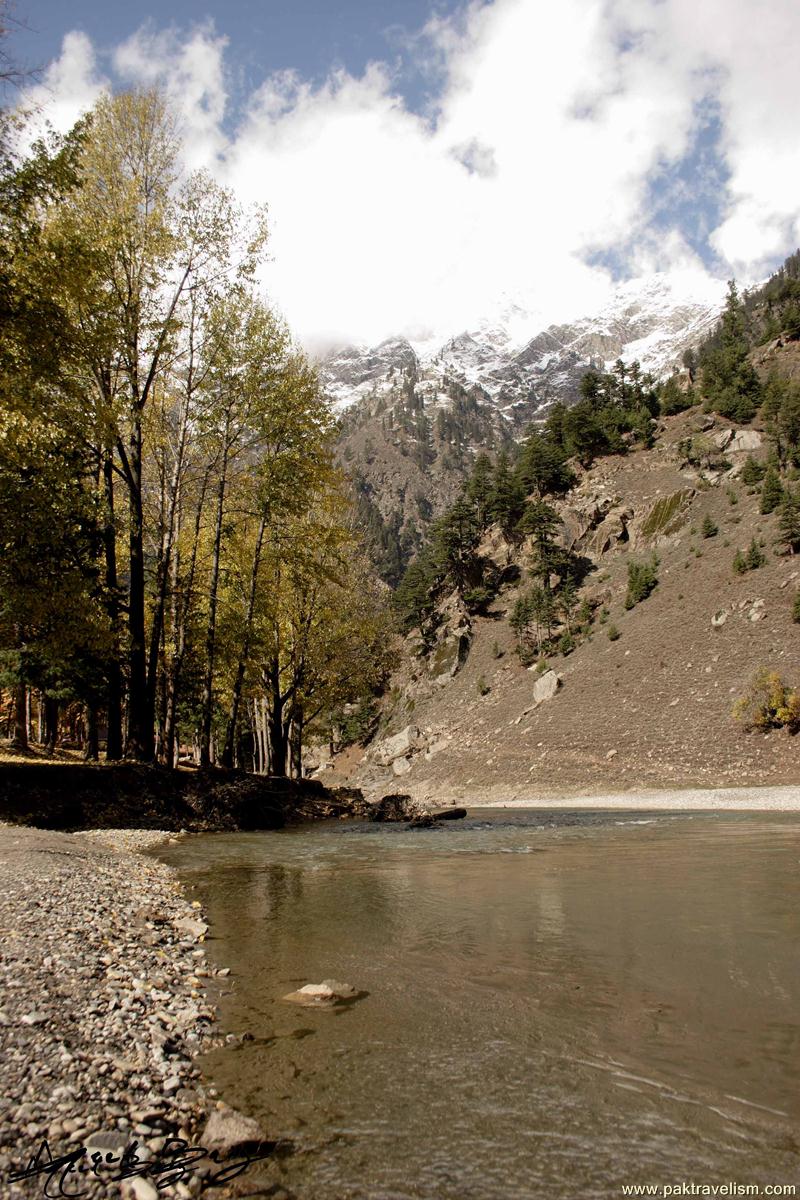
(276, 726)
(211, 627)
(114, 670)
(181, 604)
(165, 562)
(140, 699)
(241, 666)
(20, 740)
(296, 745)
(92, 753)
(50, 723)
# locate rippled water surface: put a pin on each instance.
(558, 1004)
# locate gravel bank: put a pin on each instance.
(734, 799)
(104, 1004)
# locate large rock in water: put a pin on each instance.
(228, 1130)
(323, 995)
(398, 806)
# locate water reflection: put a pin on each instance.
(622, 1007)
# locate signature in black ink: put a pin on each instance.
(64, 1174)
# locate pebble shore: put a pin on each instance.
(104, 1003)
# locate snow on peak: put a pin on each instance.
(515, 359)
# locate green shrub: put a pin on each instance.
(749, 560)
(613, 633)
(642, 579)
(769, 704)
(752, 471)
(483, 686)
(796, 609)
(567, 644)
(497, 651)
(709, 528)
(478, 598)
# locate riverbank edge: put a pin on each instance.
(139, 1081)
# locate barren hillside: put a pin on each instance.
(651, 707)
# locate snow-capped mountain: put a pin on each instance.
(415, 416)
(651, 320)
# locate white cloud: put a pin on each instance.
(190, 70)
(71, 85)
(550, 123)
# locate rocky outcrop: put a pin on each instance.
(453, 640)
(400, 745)
(545, 687)
(738, 441)
(614, 529)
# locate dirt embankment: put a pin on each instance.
(67, 795)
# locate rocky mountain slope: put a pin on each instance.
(465, 718)
(414, 418)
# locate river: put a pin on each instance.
(557, 1004)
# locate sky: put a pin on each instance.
(427, 166)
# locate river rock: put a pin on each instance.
(316, 995)
(423, 820)
(230, 1131)
(397, 806)
(191, 926)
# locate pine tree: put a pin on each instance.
(789, 521)
(709, 528)
(542, 467)
(540, 521)
(752, 472)
(755, 557)
(479, 488)
(771, 491)
(672, 397)
(729, 381)
(506, 500)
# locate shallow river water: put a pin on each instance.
(559, 1004)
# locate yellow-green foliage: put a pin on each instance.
(667, 514)
(769, 704)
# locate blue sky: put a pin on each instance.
(427, 165)
(309, 36)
